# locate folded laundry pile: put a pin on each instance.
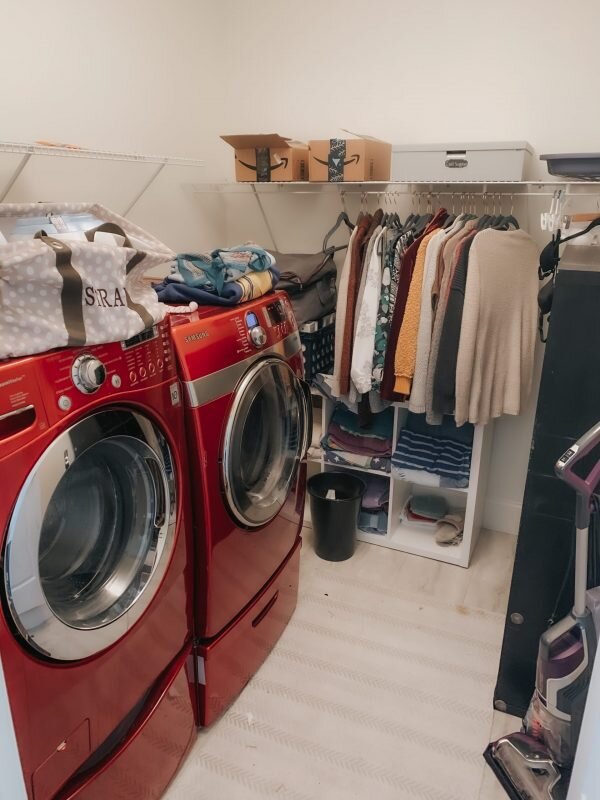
(223, 277)
(433, 455)
(424, 511)
(370, 446)
(373, 516)
(431, 513)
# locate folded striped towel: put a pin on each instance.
(437, 455)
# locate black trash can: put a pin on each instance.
(334, 521)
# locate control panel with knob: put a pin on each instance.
(258, 336)
(88, 373)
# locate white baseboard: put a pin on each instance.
(502, 515)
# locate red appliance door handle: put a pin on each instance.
(161, 500)
(308, 418)
(259, 618)
(16, 420)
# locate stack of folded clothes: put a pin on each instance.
(373, 517)
(225, 277)
(433, 455)
(431, 513)
(424, 511)
(346, 442)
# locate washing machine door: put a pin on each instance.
(91, 535)
(266, 437)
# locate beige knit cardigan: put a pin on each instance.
(494, 369)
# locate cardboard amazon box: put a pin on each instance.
(268, 157)
(362, 159)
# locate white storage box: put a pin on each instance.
(460, 163)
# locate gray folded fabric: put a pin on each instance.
(373, 522)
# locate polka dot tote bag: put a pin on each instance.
(64, 283)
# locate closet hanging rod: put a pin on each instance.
(251, 191)
(307, 187)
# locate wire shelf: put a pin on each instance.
(21, 148)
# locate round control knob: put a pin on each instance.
(258, 336)
(88, 373)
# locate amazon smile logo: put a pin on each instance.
(283, 163)
(337, 162)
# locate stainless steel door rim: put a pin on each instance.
(109, 575)
(265, 493)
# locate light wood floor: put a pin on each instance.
(381, 687)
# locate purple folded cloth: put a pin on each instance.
(359, 444)
(376, 494)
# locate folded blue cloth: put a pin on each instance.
(222, 278)
(433, 454)
(377, 493)
(370, 522)
(344, 459)
(381, 425)
(447, 429)
(212, 272)
(172, 290)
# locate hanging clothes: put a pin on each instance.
(340, 315)
(449, 263)
(406, 271)
(366, 320)
(393, 250)
(494, 369)
(444, 257)
(444, 382)
(406, 347)
(364, 230)
(417, 396)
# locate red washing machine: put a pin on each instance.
(97, 695)
(248, 415)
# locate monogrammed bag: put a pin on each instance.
(73, 275)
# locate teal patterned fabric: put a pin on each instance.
(389, 287)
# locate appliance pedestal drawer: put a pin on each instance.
(144, 763)
(226, 664)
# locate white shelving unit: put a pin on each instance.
(400, 535)
(66, 174)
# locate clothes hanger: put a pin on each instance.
(550, 255)
(342, 218)
(511, 220)
(449, 222)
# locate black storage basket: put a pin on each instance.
(317, 350)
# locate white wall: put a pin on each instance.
(125, 75)
(413, 72)
(151, 76)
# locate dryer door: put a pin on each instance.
(266, 437)
(91, 535)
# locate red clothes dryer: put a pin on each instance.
(248, 415)
(97, 695)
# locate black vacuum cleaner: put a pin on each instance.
(536, 763)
